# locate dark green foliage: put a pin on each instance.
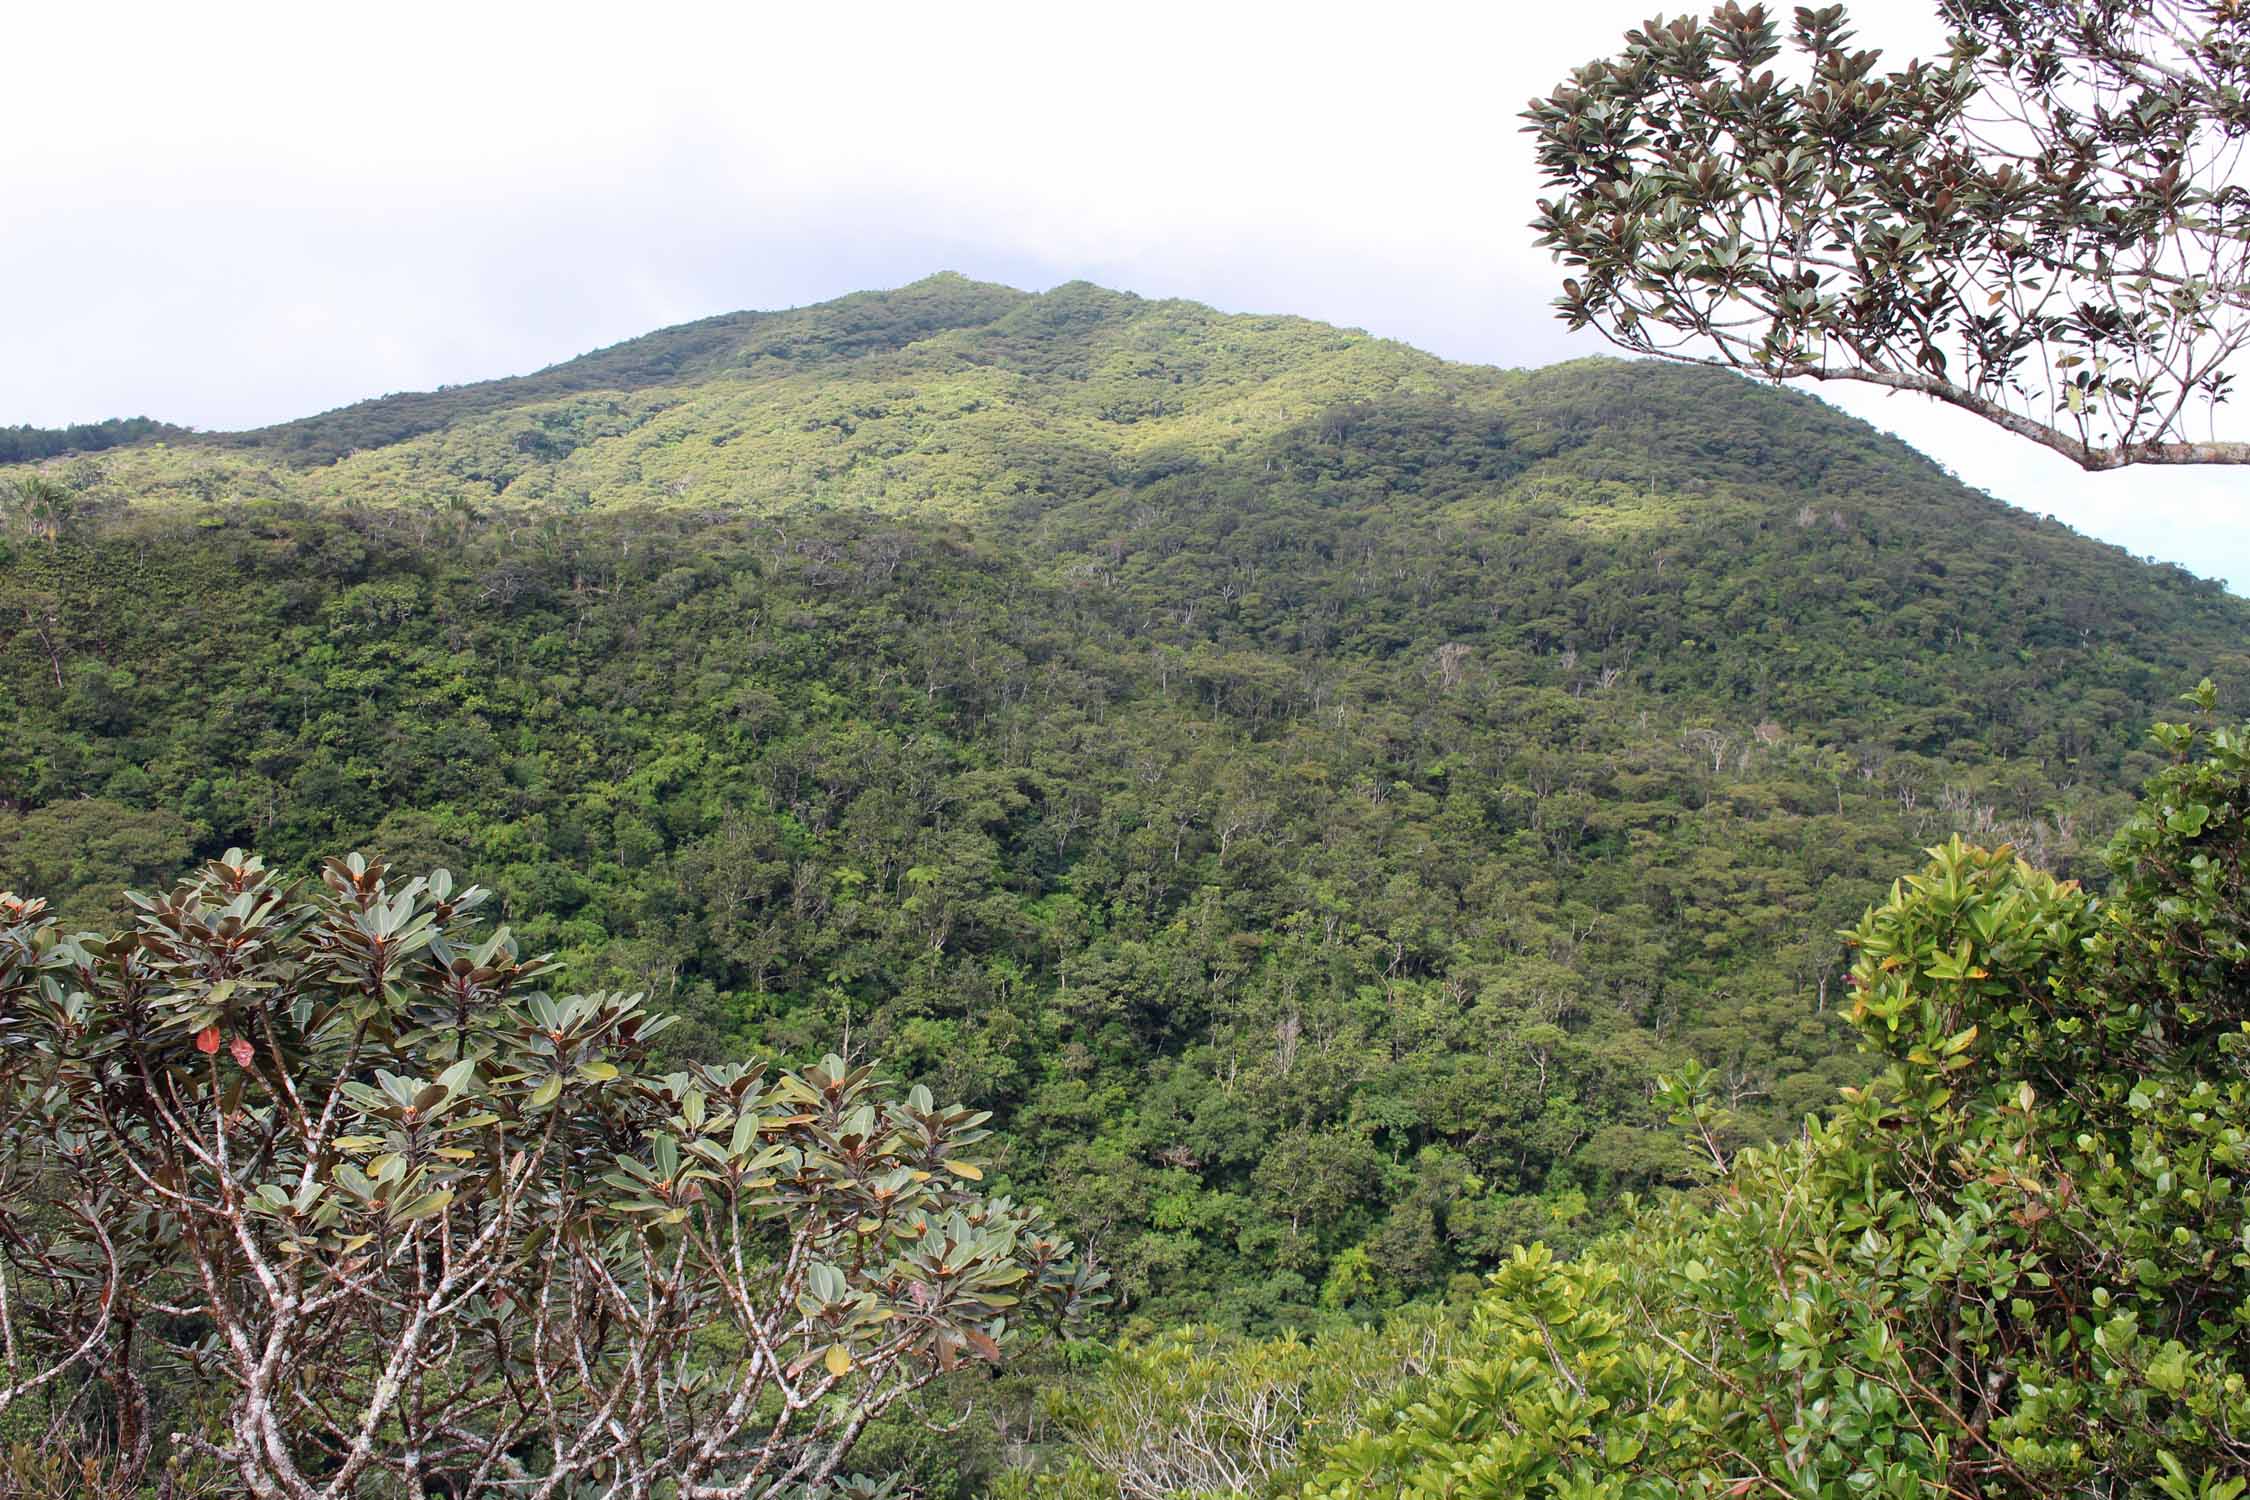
(23, 445)
(1305, 789)
(80, 848)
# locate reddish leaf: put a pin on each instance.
(207, 1040)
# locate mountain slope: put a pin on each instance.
(1691, 529)
(1304, 787)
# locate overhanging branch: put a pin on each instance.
(2085, 455)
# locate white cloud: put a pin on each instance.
(236, 217)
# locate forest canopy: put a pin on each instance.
(20, 445)
(1305, 792)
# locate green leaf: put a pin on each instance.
(2189, 820)
(424, 1206)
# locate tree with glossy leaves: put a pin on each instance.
(2048, 227)
(417, 1226)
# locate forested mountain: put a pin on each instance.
(1306, 789)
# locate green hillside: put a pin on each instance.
(1305, 788)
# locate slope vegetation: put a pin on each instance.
(1303, 787)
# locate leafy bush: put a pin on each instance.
(412, 1224)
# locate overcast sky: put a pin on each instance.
(229, 215)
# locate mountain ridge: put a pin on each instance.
(745, 343)
(923, 311)
(1222, 470)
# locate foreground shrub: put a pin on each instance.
(410, 1224)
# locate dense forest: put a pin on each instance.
(1308, 792)
(19, 445)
